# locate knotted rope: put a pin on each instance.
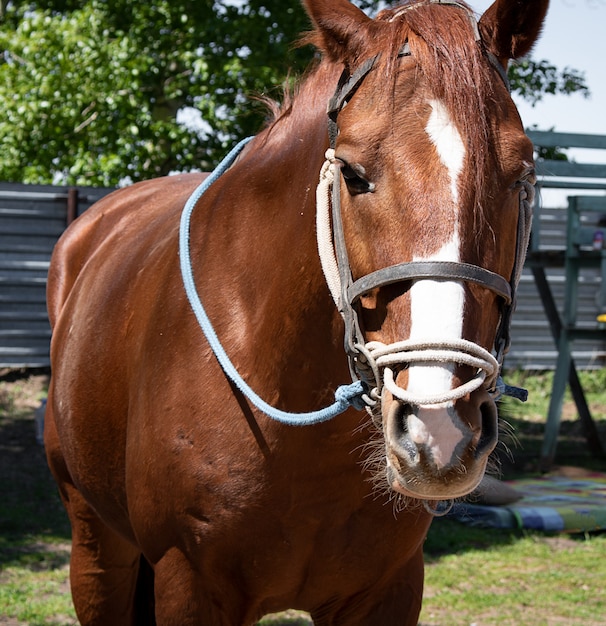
(326, 248)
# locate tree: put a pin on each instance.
(94, 92)
(533, 79)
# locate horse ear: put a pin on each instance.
(510, 28)
(340, 27)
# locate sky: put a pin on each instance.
(573, 36)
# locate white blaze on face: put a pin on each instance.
(437, 306)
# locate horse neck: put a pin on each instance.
(278, 304)
(297, 139)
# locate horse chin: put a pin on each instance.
(435, 454)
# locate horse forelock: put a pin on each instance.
(456, 71)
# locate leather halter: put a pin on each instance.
(417, 270)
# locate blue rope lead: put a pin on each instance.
(345, 396)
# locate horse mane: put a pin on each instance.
(303, 101)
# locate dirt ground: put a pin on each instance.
(23, 469)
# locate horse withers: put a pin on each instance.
(190, 501)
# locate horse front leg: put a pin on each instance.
(104, 567)
(104, 571)
(187, 596)
(398, 603)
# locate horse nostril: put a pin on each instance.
(400, 431)
(403, 410)
(488, 438)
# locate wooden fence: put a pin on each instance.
(33, 217)
(533, 346)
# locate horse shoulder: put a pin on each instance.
(133, 206)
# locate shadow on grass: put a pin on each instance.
(448, 537)
(518, 452)
(34, 530)
(527, 421)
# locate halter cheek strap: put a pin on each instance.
(373, 363)
(365, 362)
(346, 88)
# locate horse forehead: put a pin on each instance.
(449, 145)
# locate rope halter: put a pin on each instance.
(373, 363)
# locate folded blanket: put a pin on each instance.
(550, 503)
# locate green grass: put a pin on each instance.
(473, 576)
(37, 595)
(288, 618)
(539, 385)
(512, 578)
(34, 531)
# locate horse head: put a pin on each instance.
(431, 214)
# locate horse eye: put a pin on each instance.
(525, 178)
(529, 175)
(356, 183)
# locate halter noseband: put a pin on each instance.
(368, 359)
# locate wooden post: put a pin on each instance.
(72, 205)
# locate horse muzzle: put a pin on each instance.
(438, 451)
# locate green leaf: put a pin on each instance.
(91, 90)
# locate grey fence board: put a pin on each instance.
(32, 218)
(549, 139)
(571, 169)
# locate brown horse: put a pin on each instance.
(189, 504)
